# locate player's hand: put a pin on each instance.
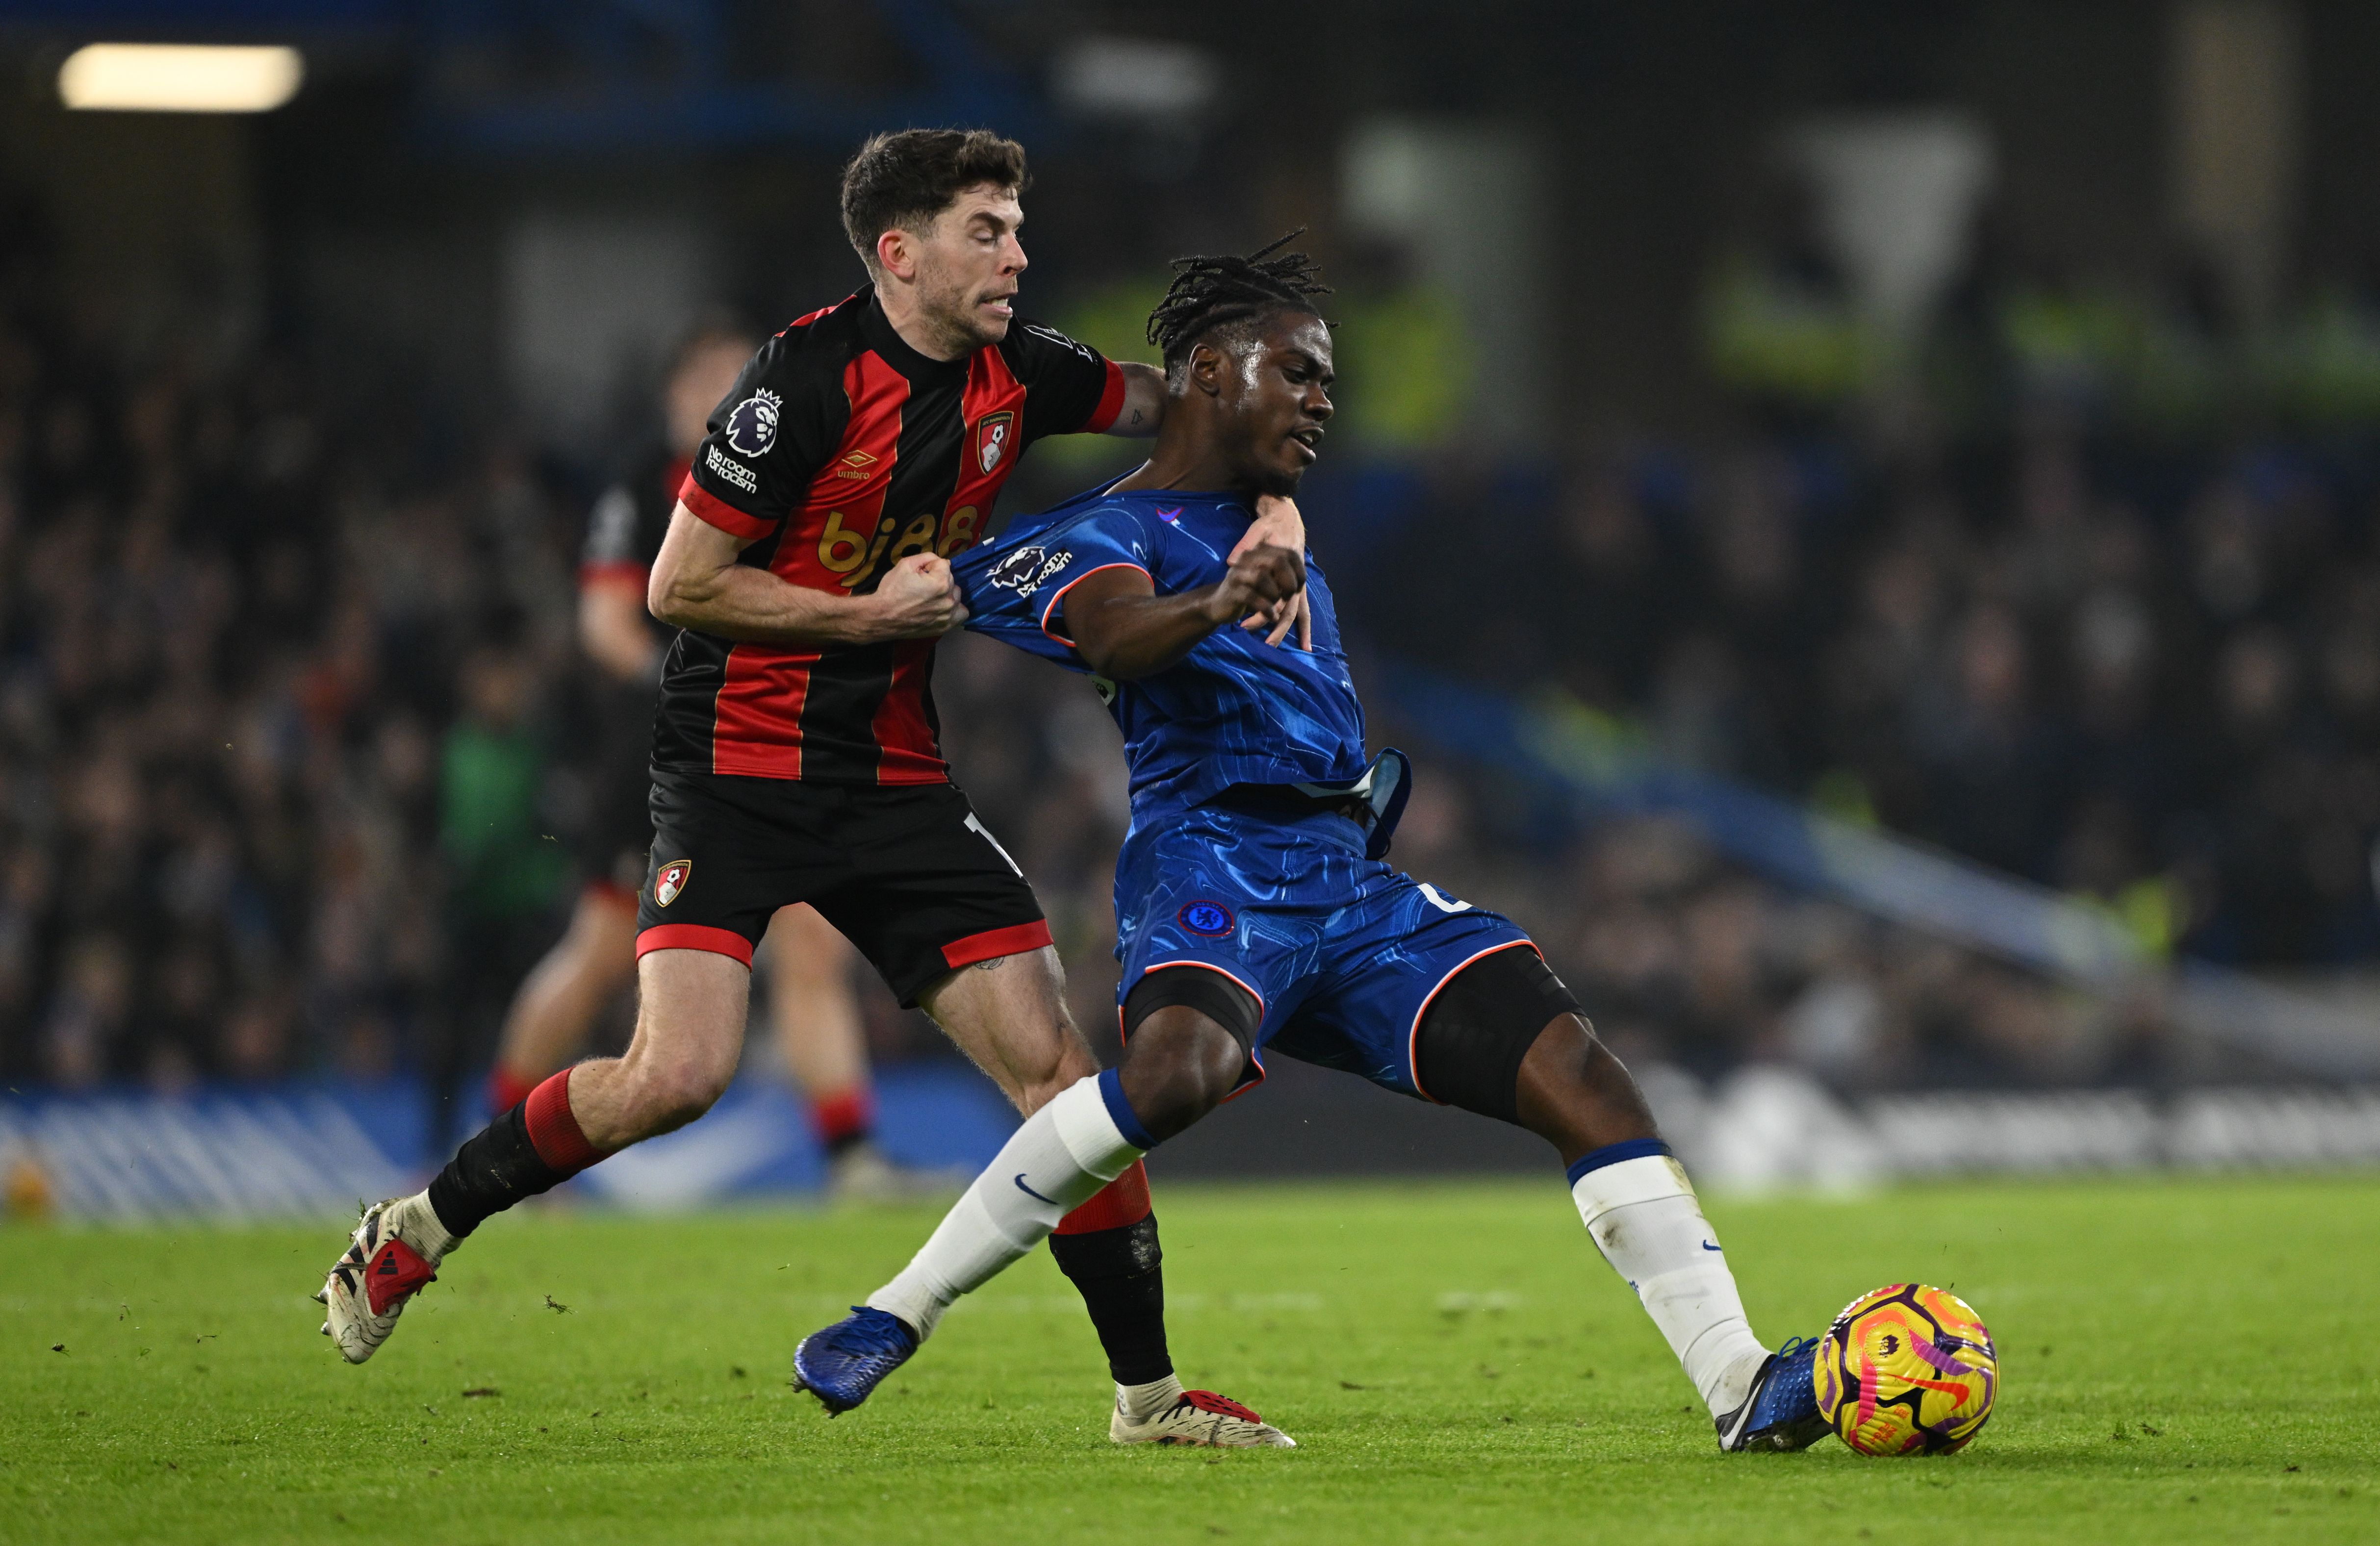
(1265, 581)
(1279, 525)
(1296, 613)
(917, 598)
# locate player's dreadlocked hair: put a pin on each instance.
(1211, 293)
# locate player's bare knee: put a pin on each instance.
(1179, 1066)
(665, 1096)
(1072, 1064)
(1032, 1068)
(1575, 1094)
(674, 1073)
(1600, 1071)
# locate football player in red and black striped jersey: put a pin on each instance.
(795, 755)
(811, 1004)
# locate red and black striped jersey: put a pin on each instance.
(840, 451)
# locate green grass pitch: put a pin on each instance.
(2183, 1361)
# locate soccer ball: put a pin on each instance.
(1906, 1370)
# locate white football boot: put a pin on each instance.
(1202, 1417)
(393, 1255)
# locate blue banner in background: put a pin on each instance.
(1593, 766)
(308, 1149)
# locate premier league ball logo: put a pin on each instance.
(1018, 571)
(1024, 570)
(752, 428)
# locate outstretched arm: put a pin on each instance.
(1143, 401)
(1123, 630)
(697, 584)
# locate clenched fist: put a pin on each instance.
(1262, 580)
(917, 598)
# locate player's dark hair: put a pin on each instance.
(1208, 294)
(906, 178)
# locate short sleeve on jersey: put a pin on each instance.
(1015, 586)
(768, 436)
(1070, 388)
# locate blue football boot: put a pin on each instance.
(844, 1363)
(1782, 1412)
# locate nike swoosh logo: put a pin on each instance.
(1707, 1246)
(1030, 1192)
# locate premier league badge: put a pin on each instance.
(752, 428)
(1019, 572)
(671, 880)
(1024, 570)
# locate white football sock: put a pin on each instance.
(1140, 1403)
(422, 1228)
(1643, 1216)
(1065, 1152)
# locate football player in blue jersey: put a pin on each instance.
(1254, 913)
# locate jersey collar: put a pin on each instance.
(886, 339)
(1244, 505)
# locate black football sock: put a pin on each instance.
(495, 1168)
(1121, 1275)
(533, 1148)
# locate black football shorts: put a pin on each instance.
(907, 873)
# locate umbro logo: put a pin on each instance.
(854, 464)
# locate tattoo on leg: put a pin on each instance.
(994, 964)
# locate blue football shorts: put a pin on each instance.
(1342, 953)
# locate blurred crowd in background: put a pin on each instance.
(293, 749)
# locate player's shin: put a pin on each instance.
(1642, 1215)
(1062, 1154)
(533, 1148)
(1108, 1248)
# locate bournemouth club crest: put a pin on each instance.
(671, 880)
(991, 435)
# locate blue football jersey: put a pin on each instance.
(1235, 710)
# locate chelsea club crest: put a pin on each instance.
(1211, 919)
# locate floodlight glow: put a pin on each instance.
(178, 78)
